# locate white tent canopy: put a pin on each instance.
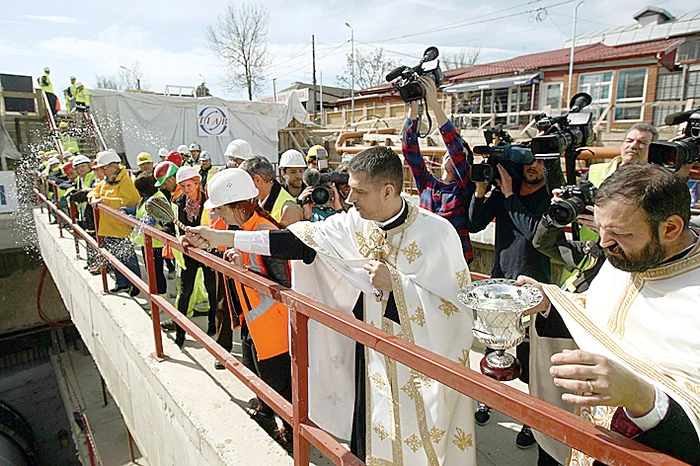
(294, 110)
(132, 123)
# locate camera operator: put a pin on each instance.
(447, 197)
(517, 208)
(316, 213)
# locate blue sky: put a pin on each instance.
(168, 38)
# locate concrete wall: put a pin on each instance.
(177, 414)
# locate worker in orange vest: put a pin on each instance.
(264, 333)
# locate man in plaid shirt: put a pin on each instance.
(450, 196)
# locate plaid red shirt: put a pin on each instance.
(448, 200)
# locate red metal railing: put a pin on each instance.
(604, 445)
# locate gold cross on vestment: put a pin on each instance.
(380, 249)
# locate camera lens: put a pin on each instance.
(320, 195)
(564, 212)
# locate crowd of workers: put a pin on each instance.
(76, 96)
(246, 196)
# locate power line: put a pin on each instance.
(317, 60)
(479, 20)
(301, 53)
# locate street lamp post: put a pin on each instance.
(138, 80)
(571, 54)
(352, 78)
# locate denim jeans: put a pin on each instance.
(123, 250)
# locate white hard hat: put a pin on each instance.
(47, 69)
(182, 149)
(80, 159)
(239, 149)
(72, 77)
(78, 84)
(195, 146)
(204, 156)
(53, 161)
(106, 157)
(292, 158)
(163, 152)
(186, 173)
(230, 185)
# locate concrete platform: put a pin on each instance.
(176, 409)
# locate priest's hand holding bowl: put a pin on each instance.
(379, 275)
(596, 380)
(544, 305)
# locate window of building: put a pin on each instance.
(692, 88)
(688, 52)
(668, 87)
(552, 95)
(599, 86)
(631, 85)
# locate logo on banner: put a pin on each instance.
(213, 121)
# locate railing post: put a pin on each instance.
(103, 262)
(57, 203)
(74, 219)
(149, 258)
(300, 383)
(38, 184)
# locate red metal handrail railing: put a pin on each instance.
(604, 445)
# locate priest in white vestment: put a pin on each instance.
(399, 268)
(638, 326)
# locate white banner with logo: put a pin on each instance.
(212, 120)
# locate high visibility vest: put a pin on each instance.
(48, 87)
(68, 143)
(266, 318)
(282, 197)
(83, 97)
(137, 236)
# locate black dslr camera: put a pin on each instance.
(321, 195)
(564, 133)
(510, 157)
(497, 132)
(673, 155)
(575, 198)
(405, 78)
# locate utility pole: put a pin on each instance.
(274, 88)
(352, 82)
(320, 94)
(571, 55)
(313, 61)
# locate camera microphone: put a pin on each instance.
(678, 117)
(311, 177)
(395, 74)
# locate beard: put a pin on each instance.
(652, 254)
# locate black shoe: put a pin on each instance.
(218, 366)
(168, 325)
(117, 289)
(211, 330)
(268, 423)
(482, 416)
(134, 291)
(180, 341)
(525, 439)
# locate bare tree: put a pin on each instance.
(132, 76)
(465, 57)
(370, 69)
(107, 82)
(239, 38)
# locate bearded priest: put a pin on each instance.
(398, 268)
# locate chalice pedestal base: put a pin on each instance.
(500, 366)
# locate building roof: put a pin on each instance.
(683, 25)
(583, 54)
(327, 90)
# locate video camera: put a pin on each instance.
(320, 180)
(405, 78)
(510, 157)
(497, 132)
(575, 198)
(564, 133)
(673, 155)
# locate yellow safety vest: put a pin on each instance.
(48, 88)
(136, 235)
(282, 197)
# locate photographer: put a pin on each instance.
(316, 213)
(447, 197)
(517, 208)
